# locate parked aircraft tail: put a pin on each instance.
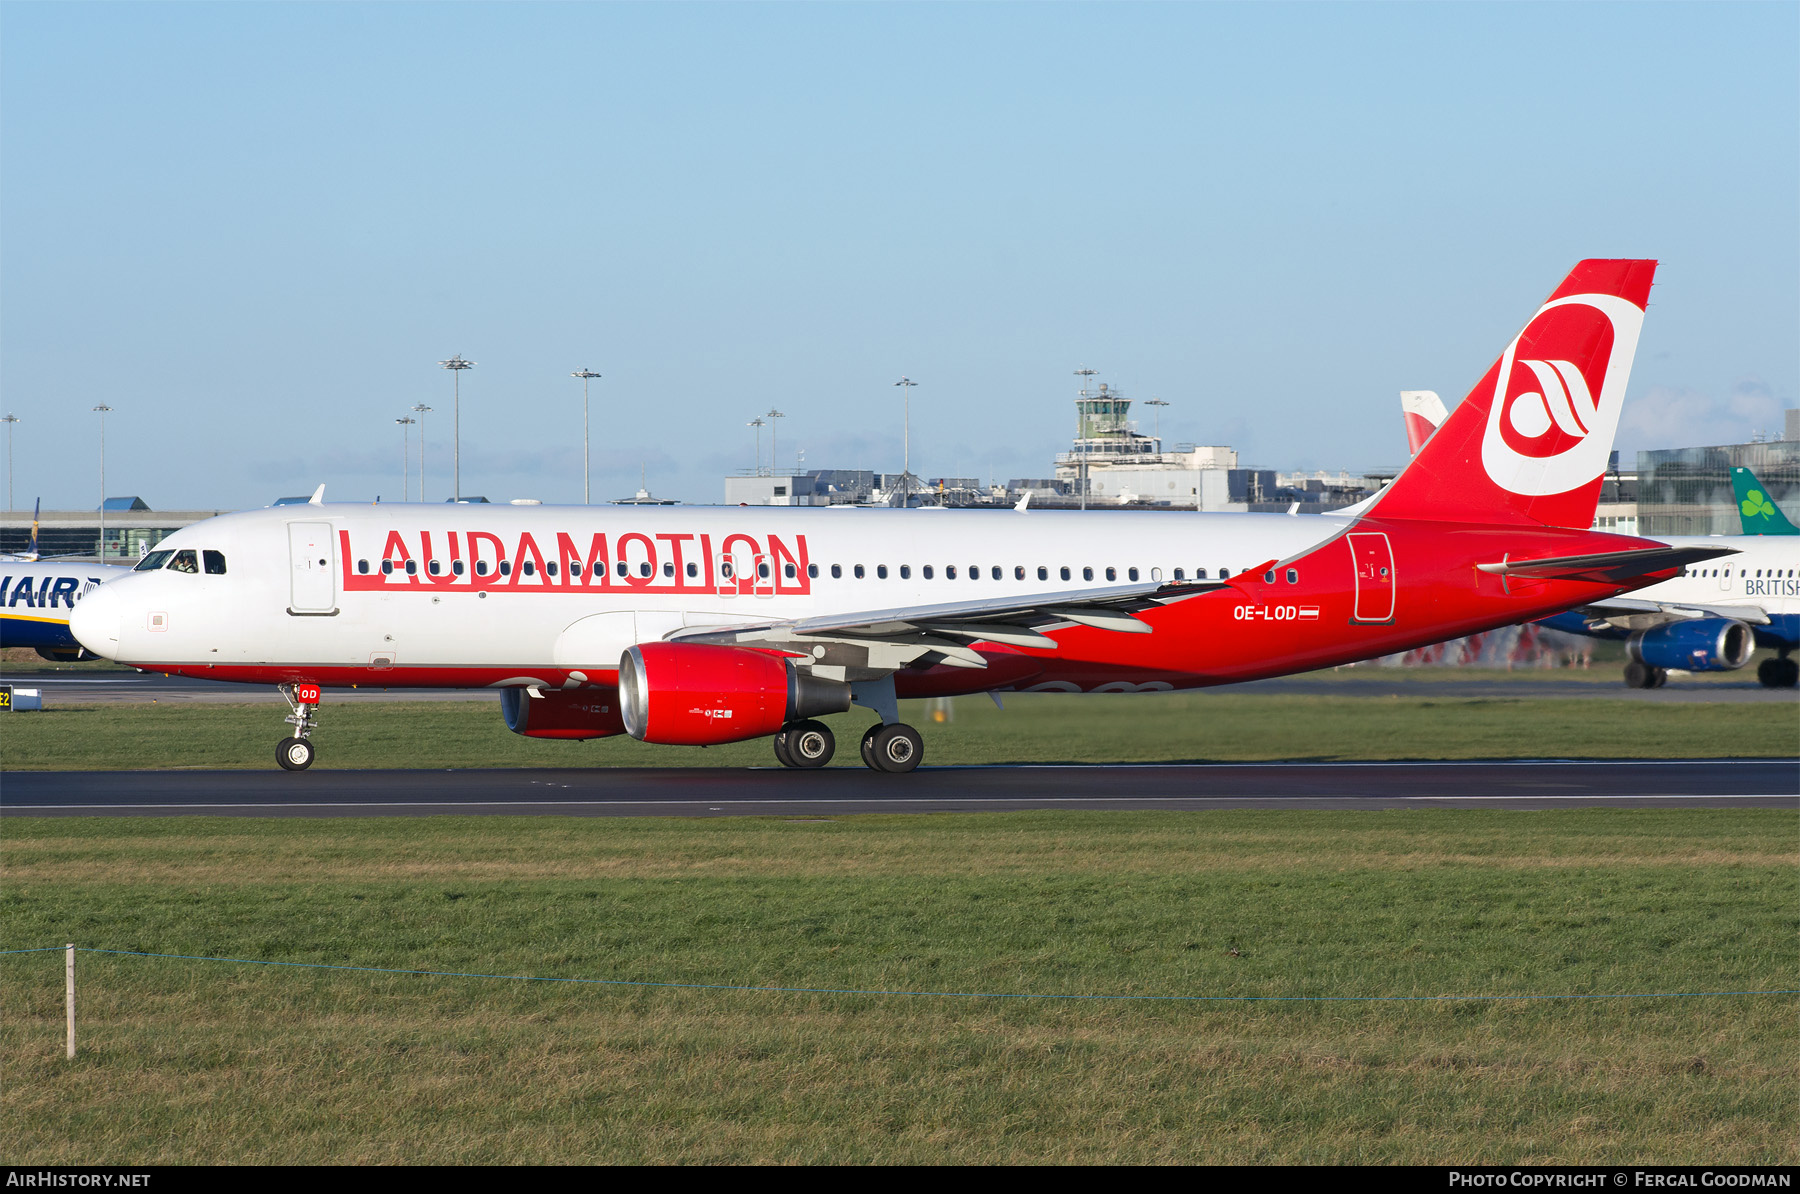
(1424, 413)
(1530, 443)
(1760, 514)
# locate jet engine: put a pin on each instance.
(696, 694)
(583, 713)
(1701, 645)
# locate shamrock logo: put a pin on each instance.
(1755, 505)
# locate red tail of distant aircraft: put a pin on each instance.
(697, 625)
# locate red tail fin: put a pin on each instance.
(1530, 442)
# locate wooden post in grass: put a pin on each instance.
(69, 994)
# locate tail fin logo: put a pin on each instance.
(1549, 427)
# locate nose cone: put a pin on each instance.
(95, 622)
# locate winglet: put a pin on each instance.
(318, 497)
(1023, 502)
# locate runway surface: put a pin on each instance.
(116, 687)
(674, 791)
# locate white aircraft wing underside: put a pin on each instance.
(871, 643)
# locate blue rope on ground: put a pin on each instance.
(620, 982)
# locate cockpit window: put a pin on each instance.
(185, 561)
(215, 562)
(153, 561)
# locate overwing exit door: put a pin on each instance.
(1373, 558)
(313, 585)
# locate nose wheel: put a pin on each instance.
(296, 753)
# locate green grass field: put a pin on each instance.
(1224, 725)
(206, 1062)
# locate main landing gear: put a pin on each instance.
(1778, 673)
(1642, 675)
(804, 745)
(296, 753)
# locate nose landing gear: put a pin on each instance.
(296, 753)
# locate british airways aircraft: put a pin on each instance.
(1713, 615)
(693, 625)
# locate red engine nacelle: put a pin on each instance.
(583, 713)
(695, 694)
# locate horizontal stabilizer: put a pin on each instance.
(1607, 567)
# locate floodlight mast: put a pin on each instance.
(906, 443)
(406, 457)
(758, 424)
(102, 409)
(421, 410)
(456, 365)
(772, 416)
(1158, 403)
(9, 420)
(586, 473)
(1081, 447)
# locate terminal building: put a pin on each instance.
(129, 526)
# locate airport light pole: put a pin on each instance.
(758, 424)
(102, 409)
(456, 365)
(9, 420)
(585, 375)
(421, 410)
(406, 455)
(1158, 403)
(772, 416)
(1084, 374)
(906, 443)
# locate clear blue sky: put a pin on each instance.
(253, 229)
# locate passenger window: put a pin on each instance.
(812, 571)
(668, 569)
(432, 567)
(1132, 575)
(506, 568)
(725, 568)
(1019, 572)
(1178, 575)
(1112, 574)
(528, 568)
(1293, 576)
(456, 566)
(574, 567)
(362, 566)
(788, 571)
(1223, 573)
(949, 571)
(643, 568)
(153, 561)
(549, 569)
(975, 572)
(693, 570)
(927, 571)
(906, 572)
(412, 567)
(1269, 577)
(1065, 572)
(1087, 574)
(387, 567)
(837, 572)
(995, 572)
(762, 570)
(185, 561)
(1043, 572)
(623, 569)
(859, 571)
(881, 571)
(1199, 574)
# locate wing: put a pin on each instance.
(1631, 614)
(868, 644)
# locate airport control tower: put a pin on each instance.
(1111, 460)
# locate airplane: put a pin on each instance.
(1712, 616)
(44, 589)
(705, 625)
